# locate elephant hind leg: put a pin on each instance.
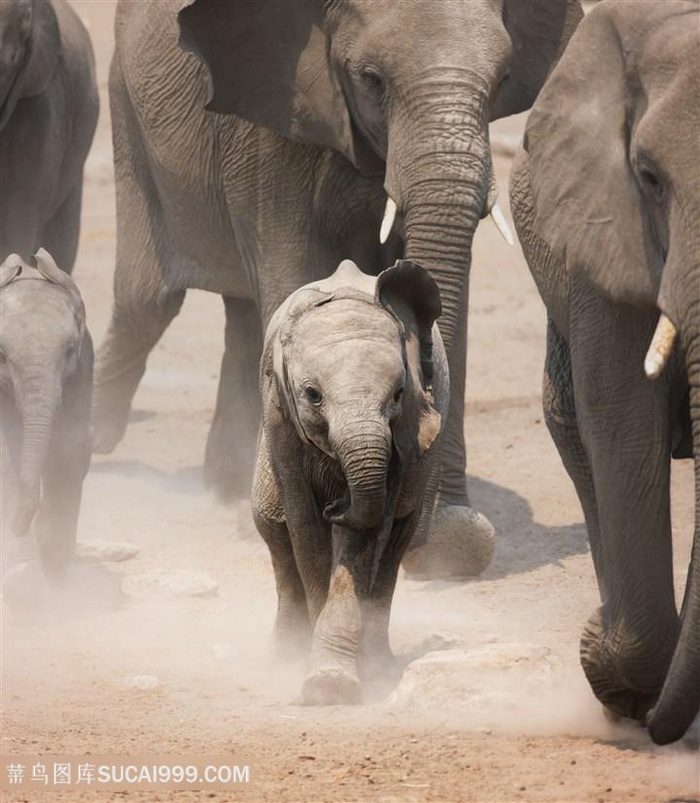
(228, 463)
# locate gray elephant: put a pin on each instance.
(324, 111)
(45, 390)
(355, 391)
(48, 114)
(606, 198)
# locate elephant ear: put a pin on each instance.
(274, 379)
(10, 269)
(410, 294)
(539, 31)
(268, 63)
(588, 205)
(33, 26)
(48, 268)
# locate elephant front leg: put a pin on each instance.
(623, 419)
(333, 674)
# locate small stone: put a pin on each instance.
(172, 582)
(142, 681)
(97, 551)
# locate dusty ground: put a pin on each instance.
(217, 694)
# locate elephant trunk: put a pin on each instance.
(442, 193)
(38, 413)
(364, 451)
(679, 701)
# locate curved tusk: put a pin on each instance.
(388, 220)
(501, 223)
(660, 348)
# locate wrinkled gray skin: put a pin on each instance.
(327, 107)
(606, 198)
(45, 388)
(48, 114)
(355, 391)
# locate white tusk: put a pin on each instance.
(388, 220)
(501, 224)
(660, 348)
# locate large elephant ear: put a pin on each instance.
(43, 46)
(268, 63)
(588, 205)
(539, 31)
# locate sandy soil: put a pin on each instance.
(218, 695)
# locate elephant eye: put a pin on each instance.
(652, 182)
(313, 395)
(372, 80)
(398, 395)
(650, 178)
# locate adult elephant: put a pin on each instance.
(48, 114)
(324, 109)
(606, 198)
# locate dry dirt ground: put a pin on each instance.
(520, 728)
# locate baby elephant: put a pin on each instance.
(355, 390)
(45, 387)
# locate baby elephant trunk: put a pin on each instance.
(363, 451)
(38, 413)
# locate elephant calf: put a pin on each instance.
(45, 387)
(355, 390)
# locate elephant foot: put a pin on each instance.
(459, 545)
(331, 685)
(619, 691)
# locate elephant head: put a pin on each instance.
(42, 346)
(349, 360)
(614, 152)
(29, 47)
(405, 90)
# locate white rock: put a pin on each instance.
(97, 551)
(171, 582)
(142, 681)
(492, 675)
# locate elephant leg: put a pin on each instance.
(144, 301)
(61, 234)
(623, 420)
(376, 658)
(66, 465)
(459, 542)
(292, 624)
(332, 677)
(230, 452)
(560, 416)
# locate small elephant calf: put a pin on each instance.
(45, 387)
(355, 390)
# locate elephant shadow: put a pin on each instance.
(522, 544)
